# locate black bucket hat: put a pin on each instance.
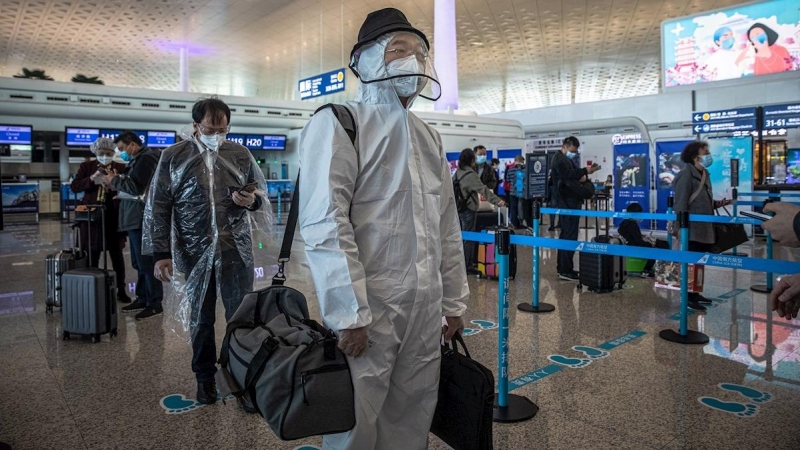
(378, 23)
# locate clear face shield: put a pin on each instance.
(401, 58)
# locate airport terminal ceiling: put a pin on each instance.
(512, 55)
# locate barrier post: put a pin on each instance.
(507, 407)
(279, 206)
(766, 288)
(535, 306)
(670, 206)
(684, 336)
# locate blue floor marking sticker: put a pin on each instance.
(731, 294)
(754, 395)
(546, 371)
(744, 410)
(720, 300)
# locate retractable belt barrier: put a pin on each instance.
(767, 194)
(651, 216)
(759, 204)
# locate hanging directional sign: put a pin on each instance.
(327, 83)
(732, 120)
(782, 116)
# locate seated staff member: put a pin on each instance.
(89, 180)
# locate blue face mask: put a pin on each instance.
(481, 159)
(571, 155)
(727, 44)
(761, 38)
(707, 161)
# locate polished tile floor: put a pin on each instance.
(629, 390)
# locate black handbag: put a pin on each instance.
(463, 417)
(728, 235)
(581, 189)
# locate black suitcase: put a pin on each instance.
(487, 266)
(463, 417)
(55, 266)
(602, 273)
(88, 297)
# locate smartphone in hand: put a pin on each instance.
(756, 215)
(249, 187)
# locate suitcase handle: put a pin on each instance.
(102, 209)
(500, 215)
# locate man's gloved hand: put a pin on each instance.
(782, 224)
(454, 325)
(354, 342)
(785, 298)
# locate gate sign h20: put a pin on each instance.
(317, 86)
(782, 116)
(743, 119)
(536, 175)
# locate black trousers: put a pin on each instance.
(698, 247)
(468, 219)
(569, 231)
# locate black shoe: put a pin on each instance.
(124, 299)
(248, 409)
(697, 306)
(571, 276)
(137, 305)
(700, 299)
(207, 392)
(647, 275)
(551, 229)
(149, 312)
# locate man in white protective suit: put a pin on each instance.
(383, 239)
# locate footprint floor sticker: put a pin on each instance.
(591, 352)
(739, 409)
(751, 394)
(572, 363)
(179, 404)
(481, 325)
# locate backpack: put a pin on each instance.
(461, 201)
(519, 182)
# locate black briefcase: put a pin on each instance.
(728, 235)
(463, 418)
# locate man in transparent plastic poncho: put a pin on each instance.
(382, 238)
(206, 199)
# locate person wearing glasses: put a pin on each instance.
(382, 237)
(131, 186)
(207, 197)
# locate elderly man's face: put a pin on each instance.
(403, 45)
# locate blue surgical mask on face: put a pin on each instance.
(762, 38)
(124, 155)
(707, 161)
(571, 155)
(481, 159)
(727, 44)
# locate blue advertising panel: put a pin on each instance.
(780, 116)
(319, 85)
(160, 139)
(16, 134)
(631, 176)
(236, 138)
(722, 150)
(81, 137)
(741, 119)
(274, 142)
(668, 158)
(20, 198)
(731, 43)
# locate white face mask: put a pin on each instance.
(104, 159)
(212, 142)
(405, 86)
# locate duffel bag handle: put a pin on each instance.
(457, 338)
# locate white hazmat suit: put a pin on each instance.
(384, 247)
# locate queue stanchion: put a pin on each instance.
(508, 408)
(279, 206)
(685, 335)
(535, 306)
(670, 206)
(765, 288)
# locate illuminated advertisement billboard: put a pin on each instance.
(736, 42)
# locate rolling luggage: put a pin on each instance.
(55, 266)
(487, 264)
(602, 273)
(89, 297)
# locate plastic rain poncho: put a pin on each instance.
(191, 218)
(384, 247)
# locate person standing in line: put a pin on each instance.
(89, 180)
(471, 189)
(484, 169)
(207, 197)
(382, 237)
(514, 211)
(132, 185)
(692, 187)
(565, 173)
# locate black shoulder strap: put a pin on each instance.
(348, 122)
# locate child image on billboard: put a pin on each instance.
(669, 164)
(741, 41)
(630, 170)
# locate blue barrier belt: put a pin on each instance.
(765, 194)
(651, 216)
(708, 259)
(756, 203)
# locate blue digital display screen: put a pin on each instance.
(274, 143)
(782, 116)
(253, 142)
(81, 137)
(112, 134)
(15, 134)
(237, 138)
(160, 139)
